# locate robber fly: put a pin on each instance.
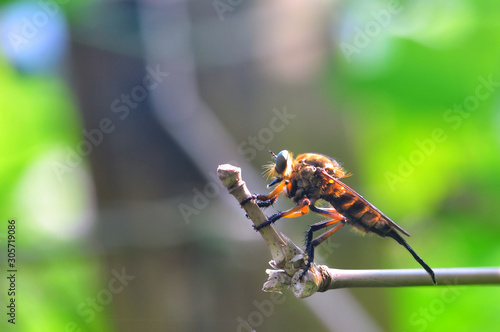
(312, 177)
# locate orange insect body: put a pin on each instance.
(311, 177)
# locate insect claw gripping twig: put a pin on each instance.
(269, 221)
(248, 199)
(261, 203)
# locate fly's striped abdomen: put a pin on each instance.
(358, 212)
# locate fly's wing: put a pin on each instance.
(392, 223)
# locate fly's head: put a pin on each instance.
(281, 168)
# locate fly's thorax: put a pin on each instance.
(306, 182)
(330, 165)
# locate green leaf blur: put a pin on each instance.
(442, 76)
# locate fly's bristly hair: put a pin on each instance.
(269, 171)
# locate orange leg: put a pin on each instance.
(327, 212)
(318, 226)
(267, 200)
(299, 210)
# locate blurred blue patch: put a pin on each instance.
(33, 35)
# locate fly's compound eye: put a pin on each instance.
(281, 162)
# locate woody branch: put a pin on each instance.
(288, 261)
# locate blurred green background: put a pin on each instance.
(115, 115)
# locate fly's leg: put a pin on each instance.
(262, 200)
(266, 200)
(310, 243)
(299, 210)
